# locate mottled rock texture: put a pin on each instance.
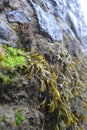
(48, 19)
(17, 16)
(7, 36)
(39, 24)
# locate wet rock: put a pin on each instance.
(84, 45)
(17, 16)
(80, 28)
(57, 7)
(69, 11)
(6, 35)
(8, 113)
(70, 40)
(6, 3)
(48, 23)
(1, 6)
(73, 23)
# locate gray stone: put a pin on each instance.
(84, 45)
(69, 11)
(6, 35)
(57, 7)
(6, 3)
(1, 6)
(17, 16)
(8, 113)
(48, 23)
(73, 23)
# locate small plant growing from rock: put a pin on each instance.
(19, 118)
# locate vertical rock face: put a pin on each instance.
(39, 24)
(17, 16)
(67, 12)
(7, 36)
(57, 20)
(48, 23)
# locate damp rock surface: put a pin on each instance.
(48, 24)
(40, 25)
(17, 16)
(6, 35)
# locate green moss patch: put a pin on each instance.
(12, 59)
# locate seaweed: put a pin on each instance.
(59, 84)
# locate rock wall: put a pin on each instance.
(43, 21)
(40, 24)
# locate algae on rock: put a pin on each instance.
(58, 83)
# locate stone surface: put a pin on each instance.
(49, 13)
(68, 12)
(51, 20)
(48, 23)
(17, 16)
(6, 3)
(73, 23)
(57, 7)
(6, 35)
(1, 6)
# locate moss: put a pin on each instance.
(12, 58)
